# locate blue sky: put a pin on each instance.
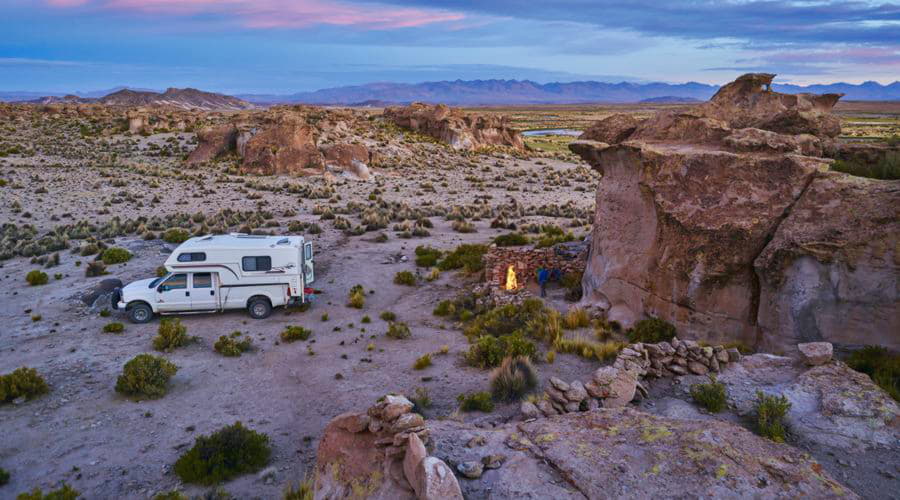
(283, 46)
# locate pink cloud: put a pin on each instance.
(279, 13)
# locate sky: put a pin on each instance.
(286, 46)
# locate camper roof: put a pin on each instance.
(236, 241)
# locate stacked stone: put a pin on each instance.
(526, 261)
(617, 385)
(392, 420)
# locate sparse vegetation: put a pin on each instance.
(95, 268)
(769, 412)
(304, 490)
(576, 318)
(36, 278)
(114, 327)
(651, 331)
(64, 492)
(427, 256)
(4, 476)
(476, 401)
(405, 278)
(880, 365)
(513, 379)
(357, 298)
(388, 316)
(22, 382)
(398, 330)
(175, 236)
(712, 395)
(422, 362)
(887, 168)
(171, 335)
(293, 333)
(233, 345)
(227, 453)
(146, 376)
(511, 240)
(115, 255)
(466, 257)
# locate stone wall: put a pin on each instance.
(527, 260)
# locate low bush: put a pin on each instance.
(65, 492)
(476, 401)
(513, 379)
(171, 335)
(770, 411)
(589, 349)
(145, 376)
(4, 476)
(880, 365)
(22, 382)
(398, 330)
(405, 278)
(511, 240)
(651, 331)
(35, 278)
(711, 396)
(576, 318)
(114, 327)
(488, 351)
(422, 362)
(175, 235)
(388, 316)
(95, 268)
(427, 256)
(227, 453)
(171, 495)
(508, 319)
(887, 168)
(294, 333)
(466, 257)
(357, 297)
(421, 400)
(233, 345)
(572, 283)
(115, 255)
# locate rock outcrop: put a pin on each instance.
(723, 220)
(463, 131)
(213, 143)
(286, 147)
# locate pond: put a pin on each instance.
(552, 131)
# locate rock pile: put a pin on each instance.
(723, 220)
(463, 131)
(381, 452)
(617, 385)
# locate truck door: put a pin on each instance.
(203, 292)
(173, 294)
(309, 274)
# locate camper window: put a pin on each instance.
(175, 282)
(256, 263)
(192, 257)
(202, 280)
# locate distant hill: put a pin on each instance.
(485, 92)
(179, 98)
(669, 99)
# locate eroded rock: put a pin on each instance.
(464, 131)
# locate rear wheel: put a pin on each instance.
(259, 308)
(140, 313)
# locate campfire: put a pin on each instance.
(511, 283)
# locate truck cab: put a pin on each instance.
(221, 272)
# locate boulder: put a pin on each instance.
(100, 291)
(438, 481)
(815, 353)
(213, 143)
(350, 160)
(612, 129)
(463, 131)
(412, 460)
(285, 147)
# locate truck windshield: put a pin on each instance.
(157, 280)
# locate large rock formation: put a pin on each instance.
(723, 220)
(464, 131)
(287, 146)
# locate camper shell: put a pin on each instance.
(219, 272)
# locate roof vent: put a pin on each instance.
(283, 241)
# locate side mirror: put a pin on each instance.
(161, 288)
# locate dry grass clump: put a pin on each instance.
(293, 333)
(476, 401)
(398, 330)
(651, 331)
(114, 327)
(576, 318)
(422, 362)
(64, 492)
(357, 297)
(513, 379)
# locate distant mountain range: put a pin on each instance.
(179, 98)
(486, 92)
(459, 93)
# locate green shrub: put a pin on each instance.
(444, 308)
(887, 168)
(388, 316)
(511, 240)
(95, 268)
(22, 382)
(770, 412)
(4, 476)
(114, 327)
(711, 396)
(229, 452)
(398, 330)
(65, 492)
(422, 362)
(294, 333)
(488, 351)
(476, 401)
(115, 255)
(171, 335)
(365, 320)
(513, 379)
(35, 278)
(427, 256)
(880, 365)
(232, 345)
(146, 376)
(552, 235)
(175, 235)
(572, 283)
(405, 278)
(466, 257)
(357, 297)
(508, 319)
(651, 331)
(171, 495)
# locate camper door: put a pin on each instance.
(309, 274)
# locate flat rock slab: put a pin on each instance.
(816, 353)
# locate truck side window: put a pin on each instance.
(192, 257)
(202, 280)
(175, 282)
(256, 263)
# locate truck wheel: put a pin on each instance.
(140, 313)
(259, 308)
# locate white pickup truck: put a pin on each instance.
(219, 272)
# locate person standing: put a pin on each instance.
(543, 277)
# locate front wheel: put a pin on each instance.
(140, 313)
(259, 308)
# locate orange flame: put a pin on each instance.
(511, 278)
